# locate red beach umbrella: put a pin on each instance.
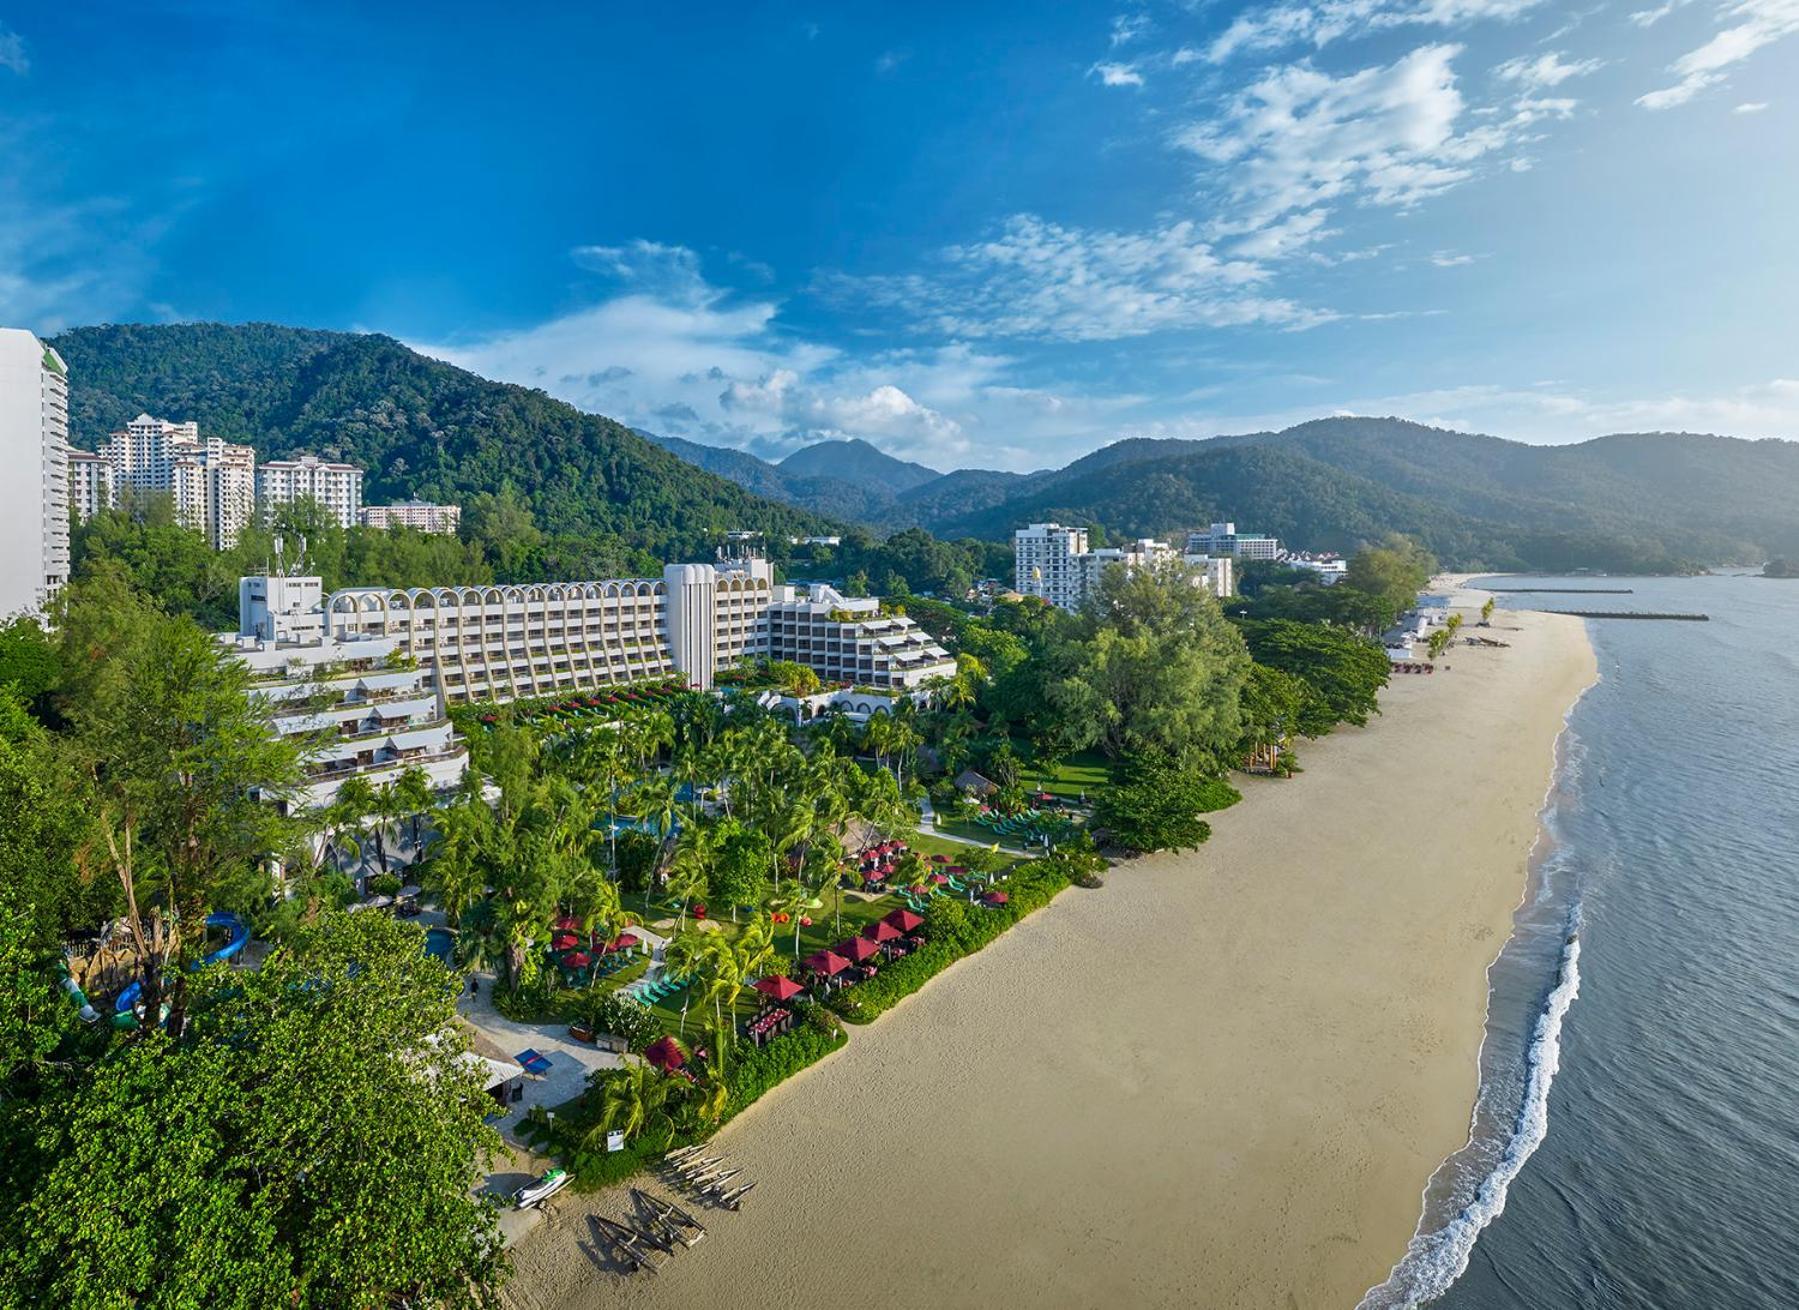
(665, 1054)
(826, 963)
(579, 960)
(780, 987)
(857, 949)
(562, 941)
(996, 898)
(624, 941)
(904, 920)
(569, 923)
(882, 931)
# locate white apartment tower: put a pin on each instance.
(1047, 557)
(90, 485)
(211, 482)
(338, 487)
(34, 499)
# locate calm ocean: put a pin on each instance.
(1637, 1140)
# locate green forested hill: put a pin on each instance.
(419, 426)
(1646, 502)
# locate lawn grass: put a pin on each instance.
(1088, 772)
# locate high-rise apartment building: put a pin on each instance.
(419, 514)
(1055, 563)
(90, 485)
(1047, 558)
(338, 487)
(34, 496)
(210, 481)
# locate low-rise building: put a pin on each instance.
(1224, 539)
(419, 514)
(851, 641)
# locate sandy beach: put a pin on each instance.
(1222, 1080)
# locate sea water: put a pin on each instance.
(1636, 1140)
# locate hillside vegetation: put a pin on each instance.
(419, 426)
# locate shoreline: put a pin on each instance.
(1224, 1079)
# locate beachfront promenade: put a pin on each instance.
(1222, 1080)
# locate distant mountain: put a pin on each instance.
(858, 463)
(1629, 502)
(420, 427)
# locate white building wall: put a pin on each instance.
(34, 497)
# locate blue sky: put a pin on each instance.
(992, 234)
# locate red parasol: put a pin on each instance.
(883, 931)
(826, 963)
(665, 1054)
(857, 949)
(996, 898)
(904, 920)
(778, 986)
(579, 960)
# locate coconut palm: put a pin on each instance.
(635, 1099)
(412, 790)
(690, 873)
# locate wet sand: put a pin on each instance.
(1222, 1080)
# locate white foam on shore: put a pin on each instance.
(1433, 1261)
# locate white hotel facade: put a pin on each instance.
(338, 487)
(379, 667)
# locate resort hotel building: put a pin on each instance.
(357, 702)
(1056, 563)
(1224, 539)
(34, 500)
(380, 666)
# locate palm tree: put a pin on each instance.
(690, 873)
(350, 809)
(691, 953)
(634, 1099)
(412, 790)
(710, 1097)
(654, 800)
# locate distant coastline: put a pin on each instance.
(1221, 1080)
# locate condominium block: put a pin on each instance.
(338, 487)
(210, 482)
(1046, 559)
(34, 497)
(91, 487)
(419, 514)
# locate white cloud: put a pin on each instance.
(1039, 279)
(1128, 27)
(1650, 17)
(1116, 74)
(1545, 70)
(1750, 107)
(1752, 24)
(1450, 259)
(689, 359)
(12, 52)
(1297, 138)
(1319, 24)
(888, 61)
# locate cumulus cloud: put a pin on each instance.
(1545, 70)
(1111, 74)
(1749, 26)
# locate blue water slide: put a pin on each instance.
(240, 934)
